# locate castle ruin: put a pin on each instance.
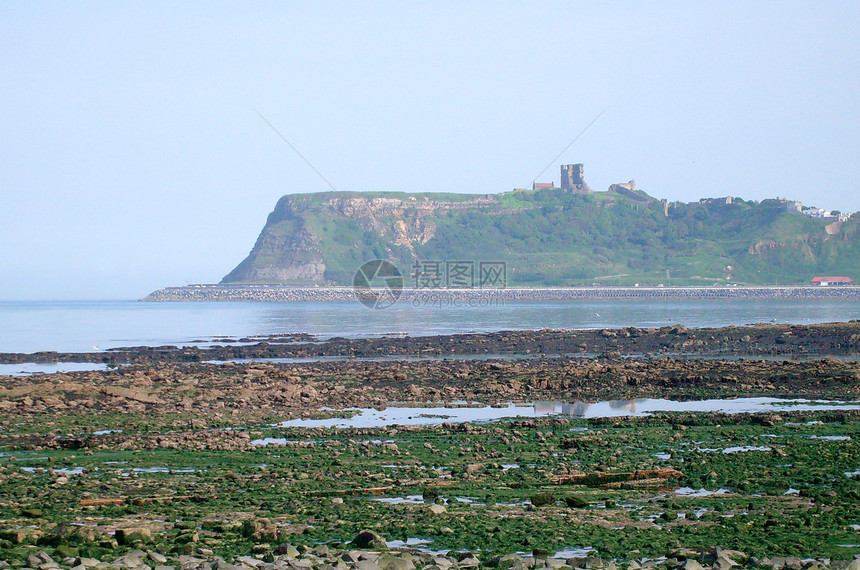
(572, 179)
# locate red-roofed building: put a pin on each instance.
(832, 281)
(540, 185)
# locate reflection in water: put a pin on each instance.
(580, 409)
(429, 415)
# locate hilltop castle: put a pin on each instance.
(572, 179)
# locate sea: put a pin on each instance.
(82, 326)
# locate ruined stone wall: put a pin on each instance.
(573, 179)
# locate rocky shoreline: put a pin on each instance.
(236, 394)
(805, 341)
(171, 461)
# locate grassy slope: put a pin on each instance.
(549, 237)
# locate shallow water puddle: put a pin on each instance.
(57, 471)
(745, 448)
(574, 552)
(408, 499)
(690, 492)
(270, 441)
(408, 543)
(429, 415)
(31, 368)
(737, 449)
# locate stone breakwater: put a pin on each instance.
(277, 293)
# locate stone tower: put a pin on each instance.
(572, 179)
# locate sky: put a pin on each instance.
(132, 155)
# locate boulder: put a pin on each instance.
(575, 502)
(438, 509)
(41, 560)
(368, 539)
(156, 557)
(542, 499)
(128, 536)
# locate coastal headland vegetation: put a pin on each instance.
(550, 236)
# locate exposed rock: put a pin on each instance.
(368, 539)
(132, 535)
(575, 502)
(438, 509)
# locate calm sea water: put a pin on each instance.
(30, 326)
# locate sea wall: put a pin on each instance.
(276, 293)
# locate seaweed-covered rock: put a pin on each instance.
(131, 535)
(368, 539)
(575, 502)
(542, 499)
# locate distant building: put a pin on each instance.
(832, 281)
(792, 206)
(795, 207)
(629, 189)
(722, 200)
(623, 186)
(542, 185)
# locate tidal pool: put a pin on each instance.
(160, 470)
(58, 470)
(30, 368)
(743, 449)
(575, 552)
(690, 492)
(408, 543)
(408, 499)
(430, 415)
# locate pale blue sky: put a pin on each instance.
(131, 156)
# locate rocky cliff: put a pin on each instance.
(548, 237)
(313, 239)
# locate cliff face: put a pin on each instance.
(285, 252)
(321, 238)
(549, 237)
